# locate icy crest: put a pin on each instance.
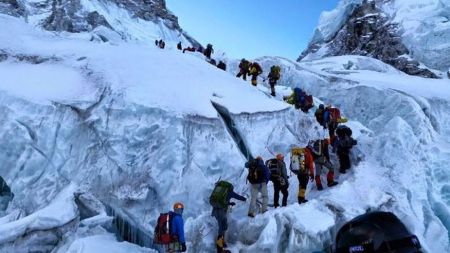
(331, 21)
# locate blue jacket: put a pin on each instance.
(326, 117)
(265, 170)
(177, 226)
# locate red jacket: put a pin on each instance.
(309, 161)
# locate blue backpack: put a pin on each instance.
(299, 96)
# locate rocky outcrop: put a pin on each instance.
(11, 7)
(150, 10)
(67, 15)
(72, 16)
(369, 32)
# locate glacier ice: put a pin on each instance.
(132, 137)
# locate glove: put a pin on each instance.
(232, 203)
(183, 247)
(311, 178)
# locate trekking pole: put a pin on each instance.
(209, 231)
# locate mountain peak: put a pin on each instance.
(382, 30)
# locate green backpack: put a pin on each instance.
(275, 70)
(218, 198)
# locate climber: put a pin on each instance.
(161, 44)
(220, 200)
(332, 117)
(273, 77)
(172, 240)
(320, 115)
(255, 70)
(190, 49)
(208, 51)
(321, 156)
(258, 176)
(329, 117)
(221, 65)
(344, 142)
(156, 42)
(179, 47)
(243, 69)
(279, 178)
(302, 164)
(212, 61)
(300, 99)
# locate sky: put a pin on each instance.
(251, 28)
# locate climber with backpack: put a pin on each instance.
(243, 69)
(302, 165)
(179, 46)
(273, 77)
(255, 70)
(300, 100)
(220, 200)
(321, 156)
(169, 231)
(333, 118)
(208, 51)
(258, 176)
(189, 49)
(344, 143)
(161, 44)
(222, 65)
(279, 178)
(329, 117)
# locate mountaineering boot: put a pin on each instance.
(251, 215)
(318, 183)
(302, 200)
(331, 184)
(220, 244)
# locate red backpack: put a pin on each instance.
(335, 114)
(162, 229)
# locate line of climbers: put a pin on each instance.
(307, 163)
(207, 52)
(253, 69)
(160, 43)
